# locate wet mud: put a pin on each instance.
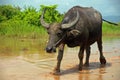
(26, 64)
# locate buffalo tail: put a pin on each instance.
(109, 22)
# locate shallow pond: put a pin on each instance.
(34, 48)
(26, 59)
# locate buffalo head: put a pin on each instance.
(57, 32)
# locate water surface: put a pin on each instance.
(26, 59)
(34, 48)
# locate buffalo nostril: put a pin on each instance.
(48, 49)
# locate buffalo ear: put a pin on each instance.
(73, 33)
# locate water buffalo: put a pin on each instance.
(81, 26)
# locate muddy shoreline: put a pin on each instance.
(18, 68)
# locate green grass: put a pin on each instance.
(109, 29)
(19, 28)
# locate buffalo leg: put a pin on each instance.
(59, 58)
(80, 55)
(102, 58)
(87, 56)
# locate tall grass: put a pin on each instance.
(20, 29)
(110, 29)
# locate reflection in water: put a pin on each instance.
(84, 75)
(101, 71)
(56, 77)
(90, 74)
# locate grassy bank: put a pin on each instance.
(25, 23)
(20, 28)
(111, 30)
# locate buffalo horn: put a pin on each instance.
(46, 25)
(68, 25)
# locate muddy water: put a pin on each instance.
(25, 59)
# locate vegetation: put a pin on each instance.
(110, 30)
(26, 23)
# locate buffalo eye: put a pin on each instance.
(48, 32)
(59, 34)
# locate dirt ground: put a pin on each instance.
(19, 68)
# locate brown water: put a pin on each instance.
(25, 59)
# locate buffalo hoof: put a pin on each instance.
(86, 64)
(80, 68)
(102, 60)
(56, 71)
